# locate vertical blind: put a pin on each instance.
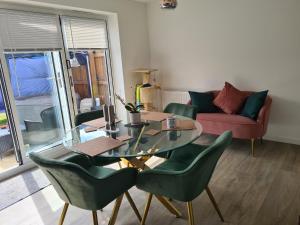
(82, 33)
(27, 30)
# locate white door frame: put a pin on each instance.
(67, 75)
(12, 105)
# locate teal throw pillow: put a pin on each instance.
(203, 102)
(253, 104)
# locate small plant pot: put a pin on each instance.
(135, 118)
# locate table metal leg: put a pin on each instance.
(169, 206)
(139, 163)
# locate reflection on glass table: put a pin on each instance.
(144, 145)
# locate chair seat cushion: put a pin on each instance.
(225, 118)
(104, 161)
(172, 165)
(241, 127)
(100, 172)
(187, 153)
(181, 158)
(164, 155)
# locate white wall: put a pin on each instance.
(129, 35)
(255, 44)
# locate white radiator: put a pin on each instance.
(169, 96)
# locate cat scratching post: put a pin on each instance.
(147, 93)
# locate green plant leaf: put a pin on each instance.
(128, 108)
(139, 107)
(133, 106)
(128, 105)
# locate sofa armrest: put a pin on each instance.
(264, 114)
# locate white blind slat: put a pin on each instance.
(27, 30)
(82, 33)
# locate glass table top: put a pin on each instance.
(146, 145)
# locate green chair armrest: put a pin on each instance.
(79, 159)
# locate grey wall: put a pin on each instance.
(254, 44)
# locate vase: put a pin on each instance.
(135, 118)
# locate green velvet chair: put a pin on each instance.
(80, 183)
(185, 174)
(87, 116)
(92, 115)
(181, 110)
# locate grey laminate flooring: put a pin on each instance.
(264, 190)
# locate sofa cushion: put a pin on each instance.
(253, 104)
(230, 99)
(203, 102)
(225, 118)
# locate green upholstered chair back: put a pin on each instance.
(75, 185)
(87, 116)
(181, 110)
(197, 176)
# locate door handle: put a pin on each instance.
(71, 81)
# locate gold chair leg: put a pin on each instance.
(120, 165)
(252, 146)
(191, 213)
(169, 206)
(212, 199)
(63, 214)
(95, 218)
(114, 215)
(133, 206)
(147, 209)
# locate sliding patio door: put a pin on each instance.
(10, 156)
(31, 56)
(88, 53)
(52, 67)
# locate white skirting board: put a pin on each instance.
(282, 139)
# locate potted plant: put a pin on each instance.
(133, 109)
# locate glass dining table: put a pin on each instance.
(141, 145)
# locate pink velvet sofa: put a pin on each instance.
(241, 127)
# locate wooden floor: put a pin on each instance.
(264, 190)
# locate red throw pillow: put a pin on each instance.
(230, 99)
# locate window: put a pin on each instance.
(87, 47)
